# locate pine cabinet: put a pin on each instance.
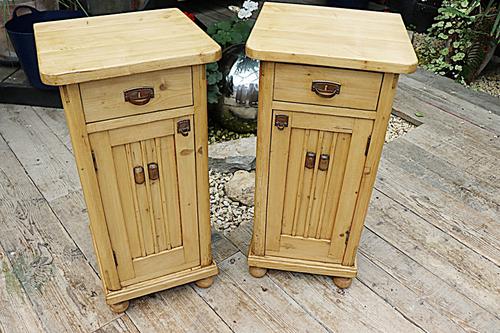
(327, 80)
(136, 112)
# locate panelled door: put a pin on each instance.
(316, 166)
(147, 179)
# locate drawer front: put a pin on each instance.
(137, 94)
(327, 86)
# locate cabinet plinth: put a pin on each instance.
(139, 133)
(324, 107)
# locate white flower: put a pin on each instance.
(250, 5)
(244, 14)
(234, 9)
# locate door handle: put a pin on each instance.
(153, 171)
(324, 161)
(310, 160)
(139, 175)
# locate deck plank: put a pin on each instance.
(416, 292)
(63, 289)
(119, 325)
(39, 151)
(461, 108)
(247, 304)
(56, 121)
(434, 249)
(438, 82)
(16, 314)
(355, 309)
(179, 309)
(464, 145)
(449, 205)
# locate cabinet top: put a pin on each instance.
(335, 37)
(93, 48)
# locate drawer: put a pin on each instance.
(137, 94)
(357, 89)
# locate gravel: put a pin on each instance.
(488, 83)
(227, 215)
(397, 127)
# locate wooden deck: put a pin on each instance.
(428, 260)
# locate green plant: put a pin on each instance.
(462, 39)
(227, 33)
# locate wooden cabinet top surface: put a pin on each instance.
(93, 48)
(335, 37)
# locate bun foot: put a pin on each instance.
(205, 283)
(119, 307)
(342, 282)
(257, 272)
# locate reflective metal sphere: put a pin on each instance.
(237, 107)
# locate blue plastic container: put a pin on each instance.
(20, 30)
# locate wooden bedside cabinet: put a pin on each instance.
(134, 93)
(328, 77)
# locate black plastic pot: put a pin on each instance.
(417, 14)
(20, 29)
(355, 4)
(423, 16)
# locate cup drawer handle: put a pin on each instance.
(139, 96)
(326, 89)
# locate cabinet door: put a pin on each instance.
(147, 179)
(316, 166)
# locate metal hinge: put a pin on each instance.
(184, 127)
(94, 161)
(368, 145)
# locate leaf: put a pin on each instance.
(212, 29)
(419, 114)
(213, 66)
(443, 36)
(214, 77)
(236, 37)
(224, 25)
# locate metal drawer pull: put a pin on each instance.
(139, 96)
(324, 161)
(325, 89)
(310, 160)
(153, 171)
(139, 175)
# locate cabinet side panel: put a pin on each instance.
(264, 121)
(201, 146)
(75, 121)
(384, 109)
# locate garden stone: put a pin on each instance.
(232, 155)
(241, 187)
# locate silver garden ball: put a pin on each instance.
(238, 104)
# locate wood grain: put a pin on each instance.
(334, 37)
(93, 48)
(359, 90)
(261, 168)
(104, 99)
(44, 258)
